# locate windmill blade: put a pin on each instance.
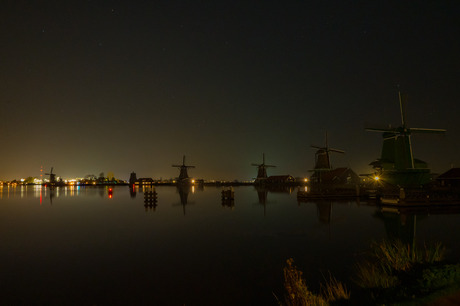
(336, 150)
(423, 130)
(402, 107)
(256, 165)
(380, 130)
(317, 147)
(390, 136)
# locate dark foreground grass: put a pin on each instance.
(297, 292)
(391, 273)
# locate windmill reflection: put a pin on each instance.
(263, 190)
(183, 191)
(324, 211)
(52, 194)
(401, 223)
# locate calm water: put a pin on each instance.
(81, 246)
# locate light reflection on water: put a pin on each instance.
(77, 245)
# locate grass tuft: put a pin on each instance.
(298, 294)
(333, 290)
(389, 258)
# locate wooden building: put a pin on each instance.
(338, 176)
(450, 179)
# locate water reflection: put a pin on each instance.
(132, 191)
(263, 190)
(50, 193)
(228, 198)
(324, 210)
(183, 191)
(401, 223)
(74, 238)
(150, 199)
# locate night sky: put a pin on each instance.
(120, 86)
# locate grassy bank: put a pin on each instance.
(391, 273)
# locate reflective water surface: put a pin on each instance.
(93, 245)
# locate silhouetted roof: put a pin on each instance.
(337, 172)
(145, 179)
(279, 177)
(452, 174)
(336, 175)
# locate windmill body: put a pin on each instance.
(397, 165)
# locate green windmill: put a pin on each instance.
(397, 165)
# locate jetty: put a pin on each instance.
(417, 197)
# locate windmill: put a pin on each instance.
(52, 177)
(397, 165)
(183, 175)
(322, 158)
(262, 169)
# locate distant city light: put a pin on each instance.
(376, 178)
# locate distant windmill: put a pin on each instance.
(52, 177)
(183, 175)
(262, 168)
(322, 158)
(397, 164)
